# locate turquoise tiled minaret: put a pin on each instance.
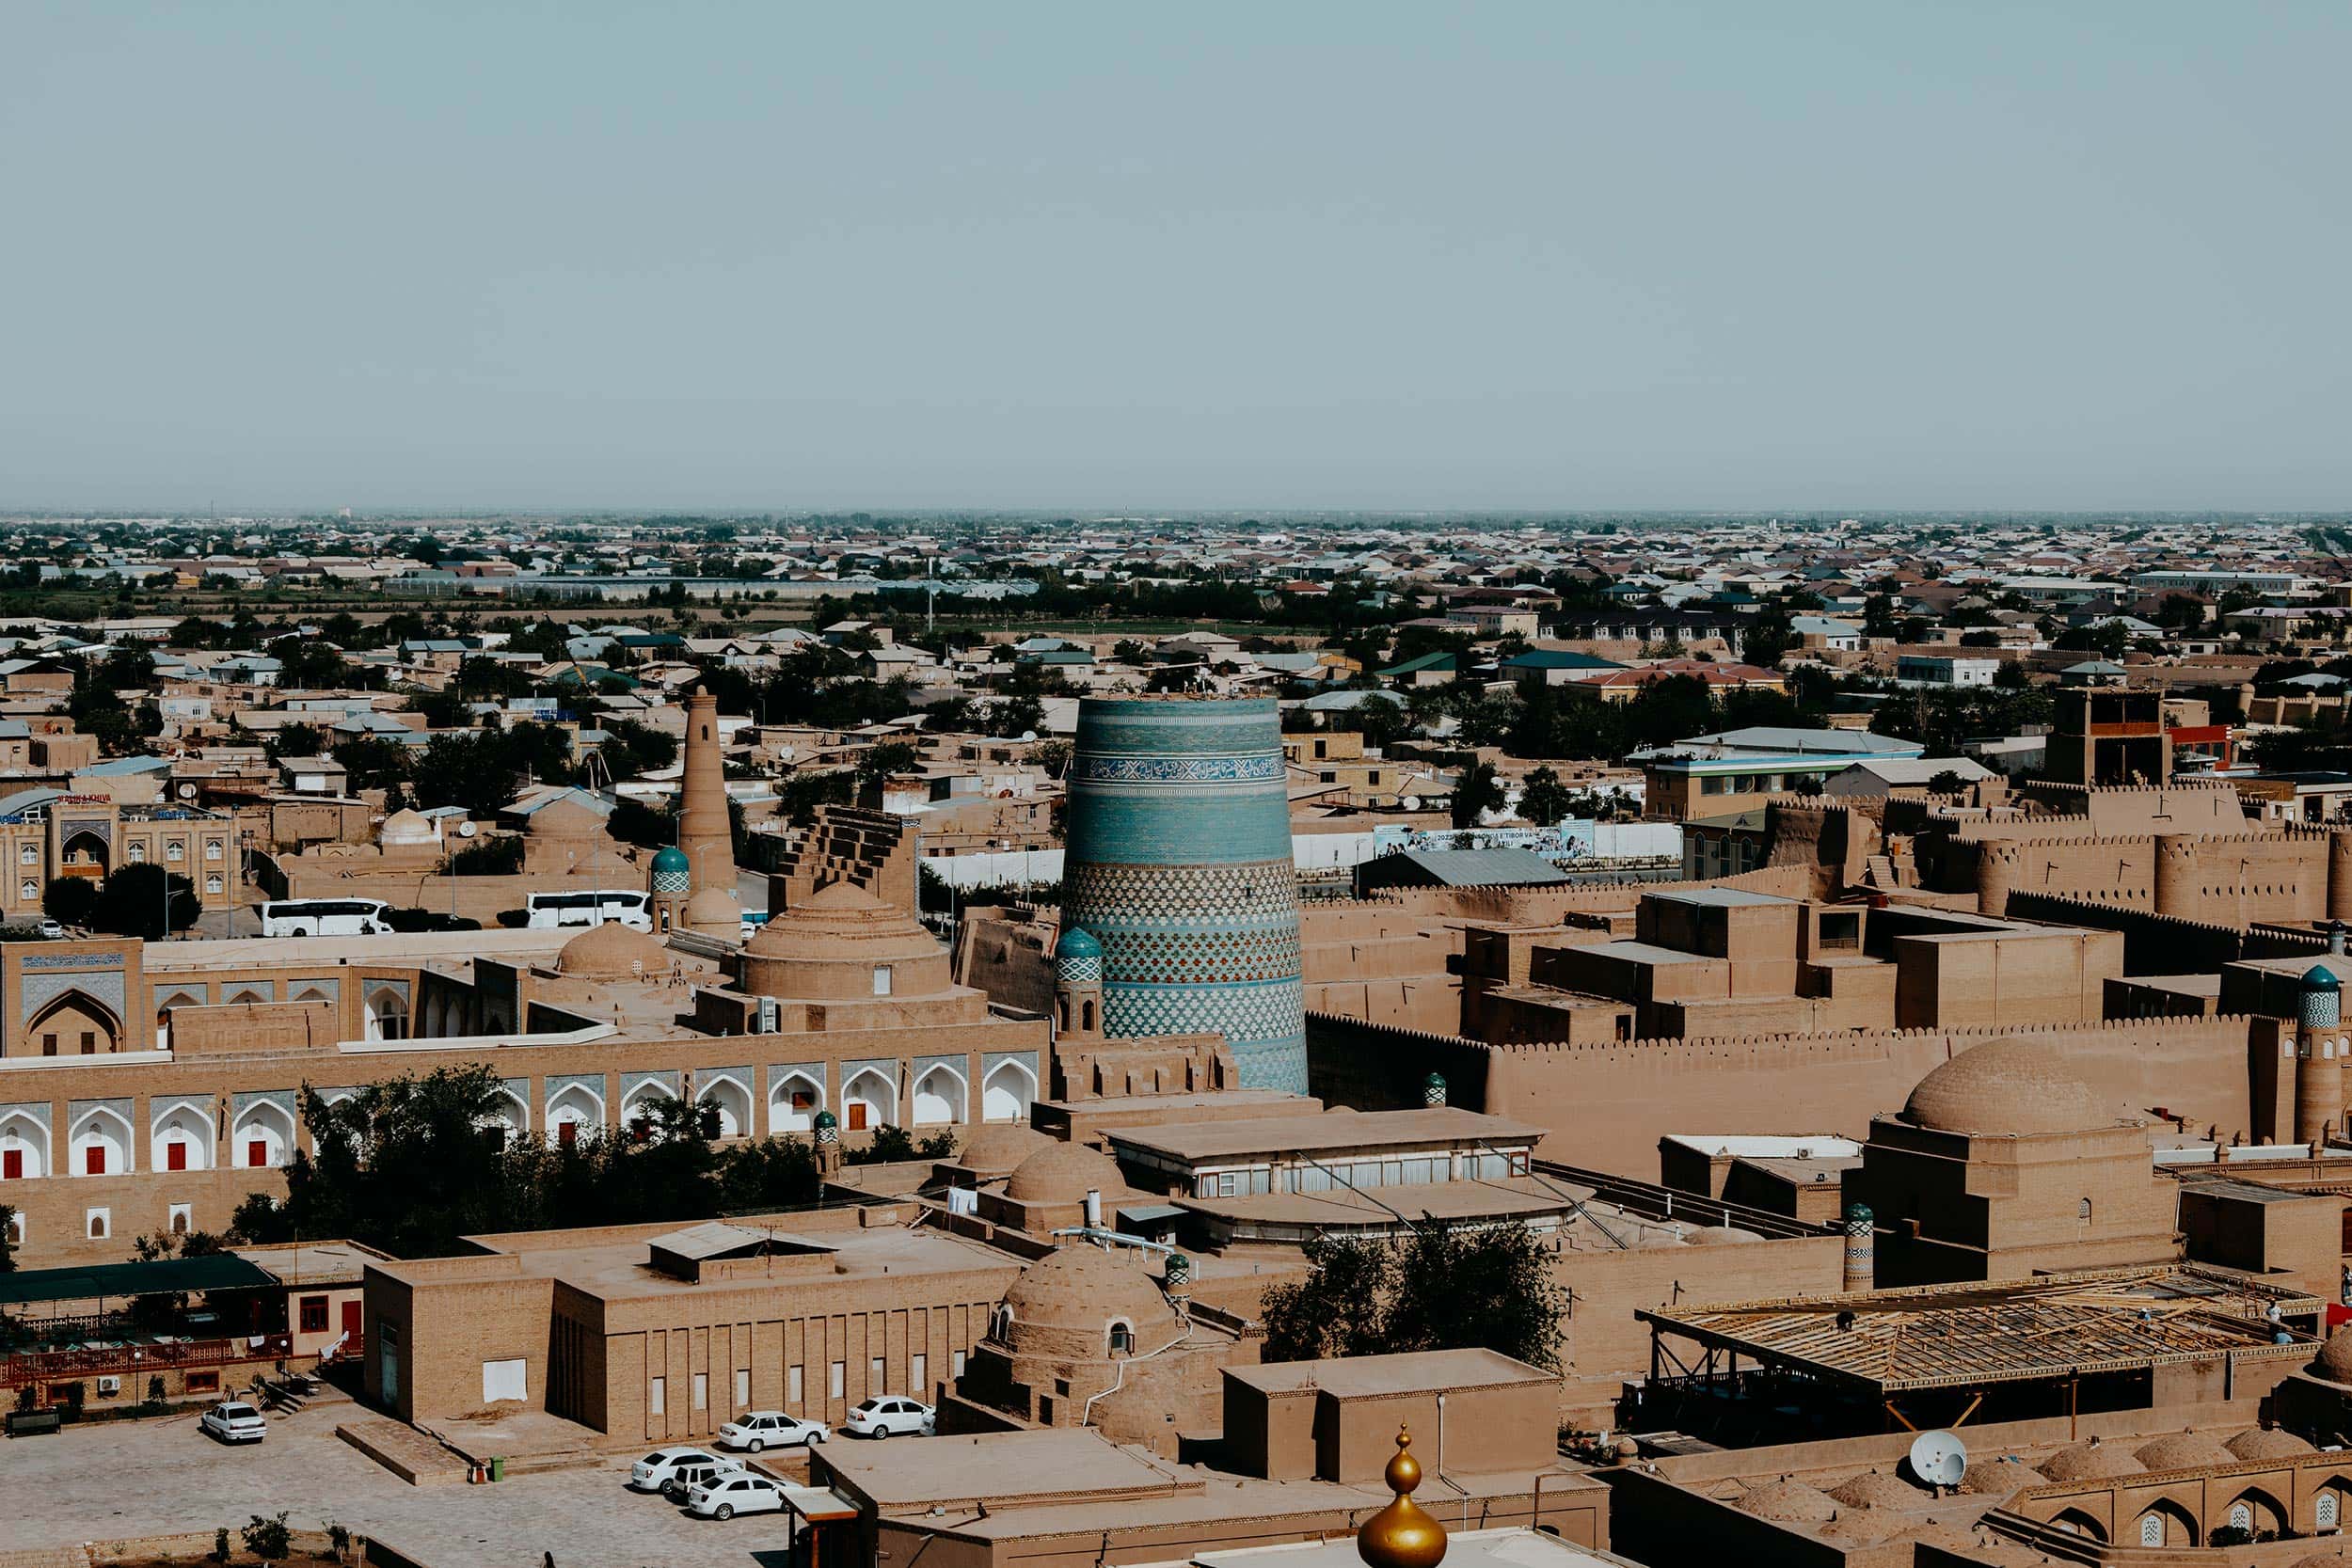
(1179, 866)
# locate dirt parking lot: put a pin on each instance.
(117, 1479)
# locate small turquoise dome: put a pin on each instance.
(823, 1118)
(2318, 978)
(672, 858)
(1076, 943)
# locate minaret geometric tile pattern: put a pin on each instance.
(1179, 864)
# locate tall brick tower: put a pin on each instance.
(1179, 866)
(2319, 1052)
(703, 829)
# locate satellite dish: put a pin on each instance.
(1939, 1459)
(187, 792)
(1028, 735)
(467, 829)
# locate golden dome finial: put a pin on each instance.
(1402, 1535)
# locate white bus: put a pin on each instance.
(326, 917)
(549, 910)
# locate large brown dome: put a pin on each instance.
(1788, 1503)
(2185, 1450)
(1086, 1288)
(2005, 1086)
(611, 952)
(830, 947)
(2091, 1461)
(1063, 1173)
(1000, 1148)
(2334, 1360)
(2268, 1443)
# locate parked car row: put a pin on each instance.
(719, 1486)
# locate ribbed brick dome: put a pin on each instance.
(1063, 1173)
(2004, 1086)
(998, 1149)
(2268, 1443)
(2185, 1450)
(2090, 1461)
(2334, 1360)
(611, 952)
(1791, 1502)
(1087, 1287)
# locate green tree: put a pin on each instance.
(891, 757)
(1339, 1307)
(267, 1538)
(1475, 793)
(70, 900)
(1543, 798)
(1768, 635)
(147, 901)
(294, 740)
(1445, 1287)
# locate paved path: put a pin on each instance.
(111, 1479)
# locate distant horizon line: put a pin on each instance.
(890, 511)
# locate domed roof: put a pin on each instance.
(611, 952)
(1084, 1287)
(2004, 1086)
(2090, 1461)
(2185, 1450)
(2334, 1360)
(841, 922)
(1076, 943)
(1720, 1235)
(2268, 1443)
(406, 827)
(1788, 1501)
(1000, 1148)
(1877, 1489)
(1063, 1173)
(2320, 977)
(670, 858)
(1998, 1478)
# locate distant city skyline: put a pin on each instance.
(1514, 258)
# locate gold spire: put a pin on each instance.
(1402, 1535)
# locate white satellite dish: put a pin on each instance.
(1939, 1459)
(1028, 735)
(467, 829)
(187, 792)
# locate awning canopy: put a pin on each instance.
(217, 1271)
(819, 1505)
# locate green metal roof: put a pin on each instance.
(218, 1271)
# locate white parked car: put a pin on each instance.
(689, 1474)
(888, 1414)
(770, 1429)
(649, 1473)
(728, 1496)
(235, 1421)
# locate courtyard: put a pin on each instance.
(110, 1481)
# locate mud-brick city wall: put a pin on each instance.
(1605, 1106)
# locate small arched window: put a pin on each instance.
(2152, 1529)
(2082, 1210)
(1122, 1339)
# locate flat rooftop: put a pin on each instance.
(519, 945)
(1427, 1124)
(1471, 1548)
(1404, 1372)
(2061, 1325)
(1722, 898)
(1004, 1468)
(617, 1263)
(1518, 1198)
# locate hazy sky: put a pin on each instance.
(1108, 255)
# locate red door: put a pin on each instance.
(351, 1325)
(13, 1166)
(94, 1160)
(257, 1153)
(175, 1155)
(857, 1116)
(567, 1133)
